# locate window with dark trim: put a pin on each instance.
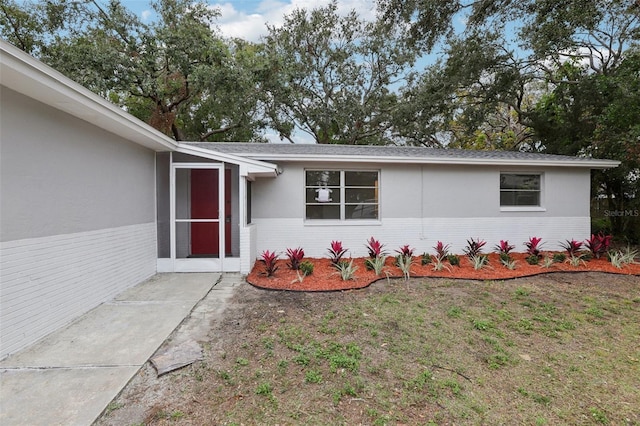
(520, 189)
(341, 194)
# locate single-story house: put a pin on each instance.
(94, 201)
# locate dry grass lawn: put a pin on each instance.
(547, 350)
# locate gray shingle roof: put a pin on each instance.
(404, 154)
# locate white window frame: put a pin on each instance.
(342, 220)
(532, 208)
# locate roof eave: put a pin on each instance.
(248, 166)
(586, 163)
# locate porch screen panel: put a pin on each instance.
(197, 213)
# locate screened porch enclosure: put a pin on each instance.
(198, 214)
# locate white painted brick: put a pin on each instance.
(47, 282)
(248, 243)
(421, 234)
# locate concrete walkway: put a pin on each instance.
(71, 376)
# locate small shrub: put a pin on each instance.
(575, 260)
(438, 265)
(533, 259)
(616, 259)
(508, 262)
(336, 251)
(375, 264)
(375, 248)
(533, 246)
(346, 270)
(619, 258)
(306, 267)
(425, 259)
(547, 262)
(479, 261)
(630, 255)
(571, 247)
(504, 248)
(269, 259)
(405, 251)
(505, 257)
(404, 263)
(442, 251)
(474, 248)
(598, 244)
(559, 257)
(295, 257)
(453, 259)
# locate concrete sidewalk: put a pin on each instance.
(71, 376)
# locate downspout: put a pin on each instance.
(422, 199)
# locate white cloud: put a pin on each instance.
(145, 15)
(251, 25)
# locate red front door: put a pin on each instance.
(205, 236)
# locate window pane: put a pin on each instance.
(360, 195)
(327, 211)
(361, 211)
(519, 198)
(361, 178)
(513, 181)
(322, 195)
(322, 177)
(324, 190)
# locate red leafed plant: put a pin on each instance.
(533, 246)
(504, 247)
(572, 247)
(375, 248)
(405, 251)
(442, 250)
(295, 257)
(336, 251)
(598, 244)
(269, 258)
(474, 248)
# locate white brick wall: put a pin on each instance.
(421, 234)
(47, 282)
(248, 243)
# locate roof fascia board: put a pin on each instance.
(590, 163)
(251, 166)
(32, 78)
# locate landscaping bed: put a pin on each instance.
(326, 277)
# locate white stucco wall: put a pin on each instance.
(77, 218)
(423, 204)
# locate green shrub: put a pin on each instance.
(533, 259)
(453, 259)
(559, 257)
(306, 267)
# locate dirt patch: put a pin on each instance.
(550, 349)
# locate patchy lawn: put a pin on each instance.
(552, 349)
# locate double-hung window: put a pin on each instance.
(341, 194)
(520, 189)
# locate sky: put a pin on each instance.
(248, 19)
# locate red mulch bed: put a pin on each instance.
(325, 277)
